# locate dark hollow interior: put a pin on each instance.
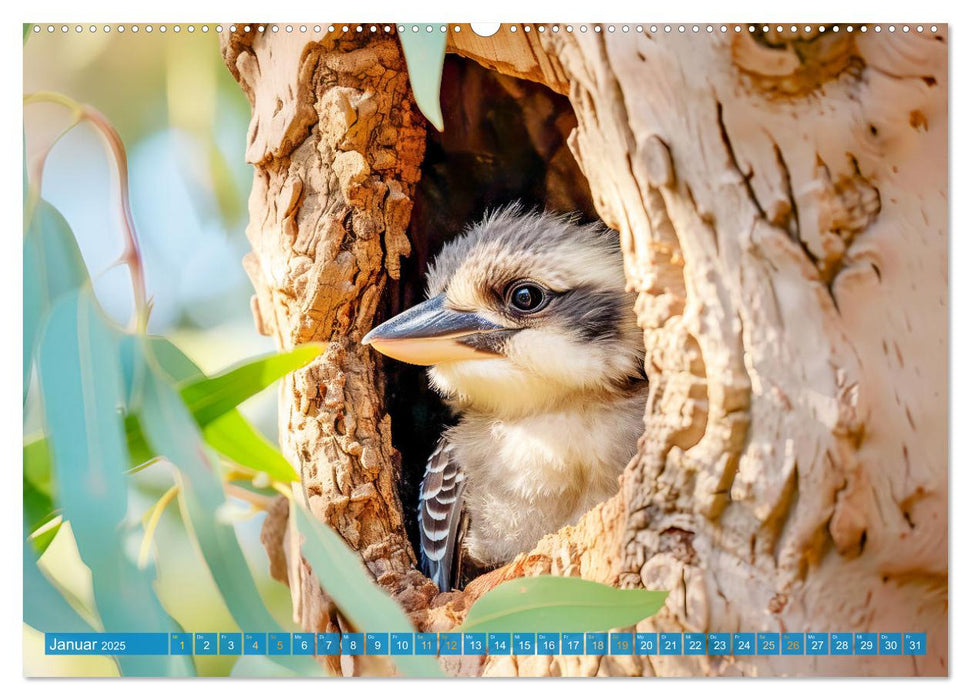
(505, 140)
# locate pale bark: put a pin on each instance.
(782, 207)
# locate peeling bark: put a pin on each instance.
(781, 201)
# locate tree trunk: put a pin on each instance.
(781, 201)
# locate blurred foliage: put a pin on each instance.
(425, 57)
(112, 399)
(116, 405)
(184, 121)
(94, 379)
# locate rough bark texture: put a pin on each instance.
(781, 201)
(336, 143)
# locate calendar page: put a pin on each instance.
(485, 350)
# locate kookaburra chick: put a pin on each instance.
(531, 338)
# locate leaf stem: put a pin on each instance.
(152, 525)
(254, 499)
(131, 256)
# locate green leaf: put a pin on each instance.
(171, 431)
(53, 266)
(233, 436)
(230, 433)
(80, 380)
(212, 397)
(39, 502)
(560, 603)
(45, 606)
(39, 508)
(173, 361)
(42, 540)
(359, 598)
(27, 28)
(37, 464)
(425, 57)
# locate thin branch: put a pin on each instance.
(131, 256)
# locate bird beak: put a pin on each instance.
(431, 333)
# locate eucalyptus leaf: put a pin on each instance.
(172, 432)
(560, 603)
(425, 58)
(234, 437)
(53, 266)
(229, 433)
(360, 599)
(211, 397)
(39, 501)
(42, 540)
(39, 511)
(45, 606)
(81, 386)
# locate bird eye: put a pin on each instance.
(527, 297)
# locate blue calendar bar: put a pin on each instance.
(669, 643)
(865, 643)
(817, 643)
(891, 644)
(621, 643)
(254, 644)
(915, 643)
(376, 643)
(230, 643)
(548, 643)
(352, 644)
(523, 644)
(500, 644)
(180, 644)
(495, 644)
(449, 644)
(645, 643)
(328, 643)
(278, 644)
(793, 644)
(474, 643)
(596, 643)
(719, 644)
(402, 643)
(572, 643)
(205, 643)
(426, 644)
(303, 643)
(105, 644)
(694, 643)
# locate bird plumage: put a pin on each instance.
(531, 338)
(440, 513)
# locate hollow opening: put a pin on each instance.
(505, 140)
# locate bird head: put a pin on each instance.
(524, 309)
